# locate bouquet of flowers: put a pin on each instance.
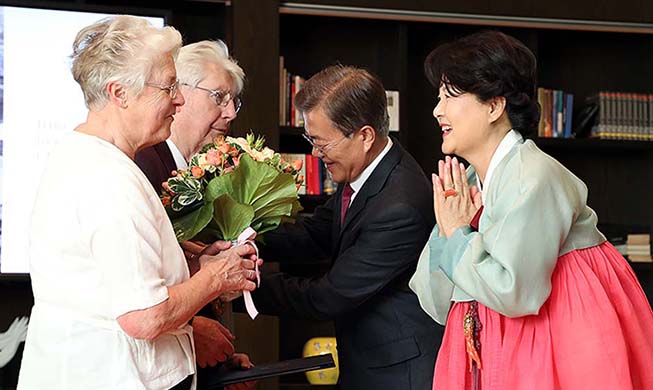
(231, 185)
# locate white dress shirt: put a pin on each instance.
(358, 183)
(180, 161)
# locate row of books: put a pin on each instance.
(627, 116)
(556, 116)
(636, 247)
(289, 85)
(317, 179)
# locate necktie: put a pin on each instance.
(347, 192)
(476, 219)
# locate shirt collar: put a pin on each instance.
(508, 141)
(357, 184)
(180, 161)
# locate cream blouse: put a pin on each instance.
(101, 245)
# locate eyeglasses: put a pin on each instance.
(171, 89)
(221, 98)
(322, 149)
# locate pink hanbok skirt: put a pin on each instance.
(594, 332)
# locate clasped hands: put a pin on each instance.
(234, 267)
(454, 202)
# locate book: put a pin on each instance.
(640, 258)
(393, 109)
(638, 239)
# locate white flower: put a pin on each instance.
(256, 155)
(267, 153)
(242, 142)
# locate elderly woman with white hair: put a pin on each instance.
(112, 290)
(211, 82)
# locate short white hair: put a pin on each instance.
(192, 59)
(123, 49)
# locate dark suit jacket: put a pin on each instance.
(385, 340)
(157, 163)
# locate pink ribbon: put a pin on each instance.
(247, 237)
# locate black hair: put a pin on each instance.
(351, 98)
(490, 64)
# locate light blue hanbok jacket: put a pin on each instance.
(535, 211)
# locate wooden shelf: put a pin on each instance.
(593, 144)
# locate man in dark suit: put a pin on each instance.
(373, 228)
(210, 81)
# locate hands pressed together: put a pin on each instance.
(232, 267)
(454, 202)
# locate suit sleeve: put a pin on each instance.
(387, 247)
(308, 240)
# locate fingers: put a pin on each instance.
(477, 198)
(226, 332)
(473, 190)
(241, 360)
(194, 248)
(244, 250)
(447, 178)
(248, 285)
(249, 264)
(456, 175)
(437, 190)
(217, 247)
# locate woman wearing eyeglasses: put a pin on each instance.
(112, 290)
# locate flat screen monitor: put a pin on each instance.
(39, 103)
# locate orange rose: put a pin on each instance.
(223, 147)
(233, 151)
(214, 157)
(297, 164)
(197, 172)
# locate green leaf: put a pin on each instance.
(187, 226)
(231, 216)
(255, 194)
(219, 186)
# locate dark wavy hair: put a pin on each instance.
(489, 64)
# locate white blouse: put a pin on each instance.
(101, 245)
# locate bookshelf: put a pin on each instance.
(612, 51)
(593, 145)
(582, 47)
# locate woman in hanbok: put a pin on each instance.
(532, 294)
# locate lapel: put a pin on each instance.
(372, 186)
(163, 151)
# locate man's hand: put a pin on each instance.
(212, 341)
(240, 361)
